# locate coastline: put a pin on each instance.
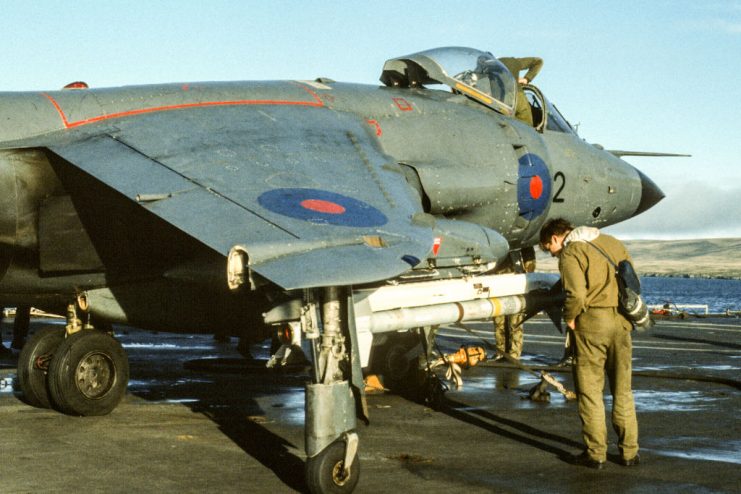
(689, 276)
(718, 258)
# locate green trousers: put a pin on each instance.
(508, 334)
(522, 108)
(604, 346)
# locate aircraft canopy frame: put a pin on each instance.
(475, 73)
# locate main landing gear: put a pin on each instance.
(331, 444)
(74, 369)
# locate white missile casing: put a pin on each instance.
(400, 307)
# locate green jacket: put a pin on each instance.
(588, 278)
(517, 65)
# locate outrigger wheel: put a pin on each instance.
(88, 374)
(33, 365)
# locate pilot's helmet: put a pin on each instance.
(469, 78)
(482, 61)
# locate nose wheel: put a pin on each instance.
(328, 472)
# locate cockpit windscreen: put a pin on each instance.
(476, 73)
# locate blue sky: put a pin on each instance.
(651, 76)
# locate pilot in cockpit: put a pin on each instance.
(482, 77)
(516, 65)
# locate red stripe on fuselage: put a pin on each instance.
(59, 110)
(317, 103)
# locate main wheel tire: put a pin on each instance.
(390, 359)
(33, 365)
(88, 374)
(324, 471)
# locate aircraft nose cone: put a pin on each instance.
(650, 194)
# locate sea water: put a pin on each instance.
(718, 294)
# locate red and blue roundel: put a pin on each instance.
(321, 206)
(533, 186)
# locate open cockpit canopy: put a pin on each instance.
(477, 74)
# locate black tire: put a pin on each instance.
(88, 374)
(32, 378)
(390, 360)
(323, 471)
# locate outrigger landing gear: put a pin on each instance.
(331, 444)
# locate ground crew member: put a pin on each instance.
(508, 331)
(516, 65)
(601, 336)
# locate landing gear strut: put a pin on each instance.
(331, 444)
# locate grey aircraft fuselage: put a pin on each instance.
(485, 182)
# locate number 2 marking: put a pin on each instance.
(556, 197)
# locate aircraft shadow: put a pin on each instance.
(227, 395)
(501, 426)
(263, 445)
(507, 428)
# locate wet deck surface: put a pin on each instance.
(238, 428)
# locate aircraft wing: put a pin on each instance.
(308, 195)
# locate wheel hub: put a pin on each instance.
(95, 375)
(397, 363)
(339, 477)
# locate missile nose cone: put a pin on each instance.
(650, 194)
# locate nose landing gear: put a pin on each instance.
(331, 444)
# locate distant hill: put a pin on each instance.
(702, 258)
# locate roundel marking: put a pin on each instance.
(322, 207)
(533, 186)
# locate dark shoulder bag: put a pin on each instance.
(630, 303)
